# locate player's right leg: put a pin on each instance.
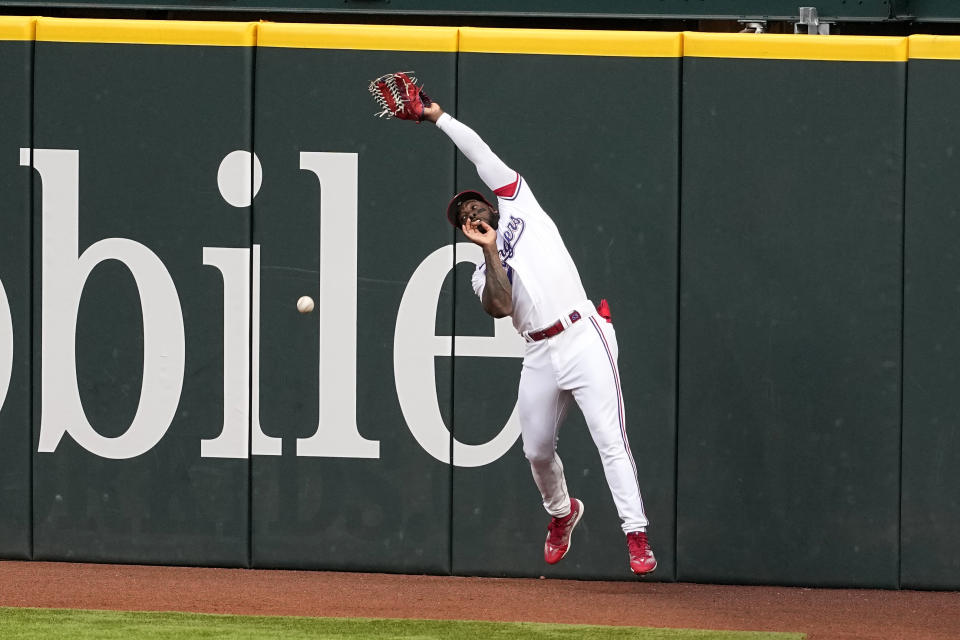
(542, 407)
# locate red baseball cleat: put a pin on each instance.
(642, 561)
(558, 533)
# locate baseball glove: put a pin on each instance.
(399, 96)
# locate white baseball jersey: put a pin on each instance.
(579, 363)
(546, 284)
(545, 281)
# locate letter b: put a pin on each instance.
(63, 278)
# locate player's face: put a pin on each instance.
(477, 210)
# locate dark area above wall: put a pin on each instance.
(845, 17)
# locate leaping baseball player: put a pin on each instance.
(571, 350)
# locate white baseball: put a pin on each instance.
(305, 304)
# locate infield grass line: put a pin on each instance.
(76, 624)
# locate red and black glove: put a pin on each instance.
(399, 96)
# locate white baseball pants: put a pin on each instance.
(580, 362)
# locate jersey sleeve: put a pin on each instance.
(479, 280)
(517, 198)
(492, 170)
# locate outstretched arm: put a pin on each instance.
(492, 170)
(497, 295)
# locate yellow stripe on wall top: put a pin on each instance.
(358, 36)
(15, 28)
(640, 44)
(795, 47)
(222, 34)
(480, 40)
(934, 47)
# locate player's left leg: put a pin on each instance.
(594, 379)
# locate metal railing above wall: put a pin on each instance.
(773, 10)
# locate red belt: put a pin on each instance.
(553, 329)
(536, 336)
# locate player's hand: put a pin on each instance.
(479, 232)
(432, 113)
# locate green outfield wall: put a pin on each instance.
(344, 216)
(16, 52)
(791, 212)
(126, 216)
(769, 216)
(931, 435)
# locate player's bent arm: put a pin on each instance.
(492, 170)
(497, 292)
(497, 296)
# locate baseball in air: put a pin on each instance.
(305, 304)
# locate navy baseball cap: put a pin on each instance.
(459, 199)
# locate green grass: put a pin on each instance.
(41, 624)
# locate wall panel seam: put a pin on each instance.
(250, 310)
(30, 297)
(903, 311)
(676, 328)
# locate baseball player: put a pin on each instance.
(571, 350)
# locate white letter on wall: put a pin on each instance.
(234, 264)
(6, 345)
(415, 346)
(63, 277)
(337, 435)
